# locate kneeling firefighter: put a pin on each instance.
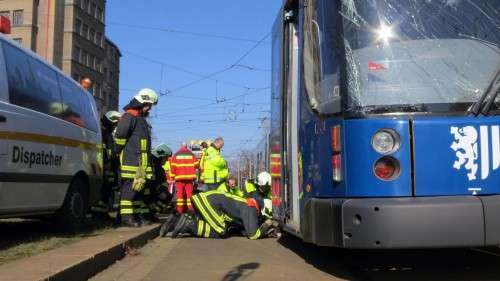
(215, 211)
(133, 143)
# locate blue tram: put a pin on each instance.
(385, 130)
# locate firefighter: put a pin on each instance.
(158, 187)
(215, 211)
(215, 170)
(183, 170)
(231, 186)
(133, 143)
(110, 163)
(204, 146)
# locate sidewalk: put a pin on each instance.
(80, 260)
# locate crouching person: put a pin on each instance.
(215, 211)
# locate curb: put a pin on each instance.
(99, 262)
(78, 261)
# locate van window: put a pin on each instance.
(31, 84)
(76, 105)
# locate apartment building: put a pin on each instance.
(69, 34)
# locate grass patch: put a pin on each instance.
(25, 238)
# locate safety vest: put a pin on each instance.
(133, 141)
(215, 168)
(183, 165)
(234, 191)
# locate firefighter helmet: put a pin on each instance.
(264, 179)
(162, 150)
(113, 116)
(147, 96)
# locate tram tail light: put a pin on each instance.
(336, 144)
(387, 168)
(336, 139)
(4, 25)
(337, 168)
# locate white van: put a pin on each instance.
(50, 140)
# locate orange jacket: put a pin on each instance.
(183, 165)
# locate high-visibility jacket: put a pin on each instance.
(133, 143)
(183, 165)
(202, 163)
(215, 168)
(168, 169)
(224, 188)
(219, 209)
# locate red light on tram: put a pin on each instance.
(337, 168)
(375, 66)
(387, 168)
(4, 25)
(336, 139)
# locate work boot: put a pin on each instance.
(168, 225)
(129, 222)
(184, 225)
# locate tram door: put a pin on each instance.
(291, 130)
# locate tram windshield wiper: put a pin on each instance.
(483, 105)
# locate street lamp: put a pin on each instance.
(86, 83)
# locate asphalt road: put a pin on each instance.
(288, 258)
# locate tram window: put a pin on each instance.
(77, 106)
(31, 84)
(320, 60)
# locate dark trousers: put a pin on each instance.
(128, 201)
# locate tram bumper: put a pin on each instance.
(398, 223)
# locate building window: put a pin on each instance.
(98, 39)
(92, 35)
(17, 17)
(91, 61)
(93, 10)
(85, 31)
(100, 14)
(76, 77)
(85, 3)
(5, 14)
(18, 40)
(85, 58)
(105, 73)
(76, 54)
(78, 26)
(97, 90)
(98, 64)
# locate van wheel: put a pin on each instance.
(74, 210)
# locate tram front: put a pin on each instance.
(420, 125)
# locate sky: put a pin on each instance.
(174, 47)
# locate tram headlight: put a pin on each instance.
(385, 141)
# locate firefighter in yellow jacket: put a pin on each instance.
(215, 170)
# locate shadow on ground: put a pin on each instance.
(408, 265)
(241, 272)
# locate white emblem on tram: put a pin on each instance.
(472, 148)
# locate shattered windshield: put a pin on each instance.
(419, 55)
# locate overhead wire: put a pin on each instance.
(192, 33)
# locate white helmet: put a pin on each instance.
(147, 96)
(113, 116)
(263, 179)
